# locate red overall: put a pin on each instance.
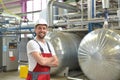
(40, 72)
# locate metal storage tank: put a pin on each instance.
(99, 54)
(66, 47)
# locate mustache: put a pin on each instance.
(41, 37)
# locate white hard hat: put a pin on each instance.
(41, 21)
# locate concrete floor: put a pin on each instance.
(14, 75)
(11, 75)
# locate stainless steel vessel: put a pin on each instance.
(99, 54)
(66, 47)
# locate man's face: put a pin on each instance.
(41, 31)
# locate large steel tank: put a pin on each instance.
(99, 54)
(66, 47)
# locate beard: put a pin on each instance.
(41, 36)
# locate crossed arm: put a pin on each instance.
(45, 61)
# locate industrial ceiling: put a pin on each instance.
(11, 6)
(14, 6)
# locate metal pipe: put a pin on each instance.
(82, 13)
(105, 3)
(78, 21)
(118, 12)
(50, 13)
(24, 8)
(65, 6)
(118, 4)
(30, 12)
(22, 32)
(60, 5)
(91, 10)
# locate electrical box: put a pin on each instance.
(9, 53)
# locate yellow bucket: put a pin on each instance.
(23, 71)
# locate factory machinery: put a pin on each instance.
(8, 53)
(81, 47)
(98, 52)
(9, 47)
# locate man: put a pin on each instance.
(41, 54)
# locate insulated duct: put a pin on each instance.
(99, 54)
(118, 12)
(105, 3)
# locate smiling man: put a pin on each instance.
(41, 54)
